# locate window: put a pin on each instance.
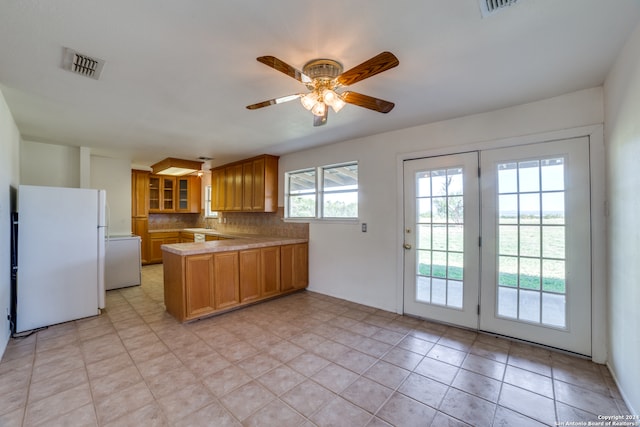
(302, 194)
(327, 192)
(208, 213)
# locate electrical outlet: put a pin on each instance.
(364, 227)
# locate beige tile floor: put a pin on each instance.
(306, 359)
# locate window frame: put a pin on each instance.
(208, 213)
(319, 194)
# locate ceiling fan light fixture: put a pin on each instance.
(309, 100)
(337, 104)
(329, 96)
(319, 109)
(333, 99)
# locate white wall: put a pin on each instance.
(364, 267)
(114, 175)
(77, 167)
(49, 164)
(622, 136)
(9, 180)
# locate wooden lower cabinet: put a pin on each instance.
(249, 275)
(140, 227)
(156, 240)
(186, 237)
(196, 286)
(226, 279)
(259, 273)
(294, 271)
(270, 271)
(199, 299)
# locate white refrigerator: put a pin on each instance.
(60, 262)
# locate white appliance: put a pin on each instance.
(60, 262)
(122, 262)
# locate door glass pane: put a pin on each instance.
(424, 236)
(440, 239)
(439, 205)
(423, 289)
(456, 241)
(508, 240)
(424, 262)
(552, 171)
(454, 296)
(531, 241)
(553, 207)
(423, 184)
(528, 176)
(508, 205)
(508, 178)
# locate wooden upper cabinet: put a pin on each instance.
(188, 194)
(248, 178)
(249, 185)
(139, 194)
(162, 194)
(233, 187)
(168, 194)
(217, 190)
(174, 194)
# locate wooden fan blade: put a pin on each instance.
(367, 101)
(321, 120)
(377, 64)
(274, 101)
(283, 67)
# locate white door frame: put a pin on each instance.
(595, 134)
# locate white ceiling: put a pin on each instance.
(179, 74)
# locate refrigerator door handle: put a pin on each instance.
(102, 227)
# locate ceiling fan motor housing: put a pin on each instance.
(322, 70)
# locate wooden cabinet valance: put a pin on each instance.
(250, 185)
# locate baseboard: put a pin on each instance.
(630, 407)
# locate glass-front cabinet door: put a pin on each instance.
(162, 193)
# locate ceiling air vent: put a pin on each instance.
(82, 64)
(489, 7)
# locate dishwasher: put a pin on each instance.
(122, 266)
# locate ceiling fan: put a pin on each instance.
(324, 77)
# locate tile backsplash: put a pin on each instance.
(167, 221)
(269, 224)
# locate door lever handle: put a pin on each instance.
(407, 246)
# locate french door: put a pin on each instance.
(441, 238)
(523, 270)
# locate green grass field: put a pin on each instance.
(531, 242)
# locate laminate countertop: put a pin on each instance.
(232, 242)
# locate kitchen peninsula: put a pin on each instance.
(205, 278)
